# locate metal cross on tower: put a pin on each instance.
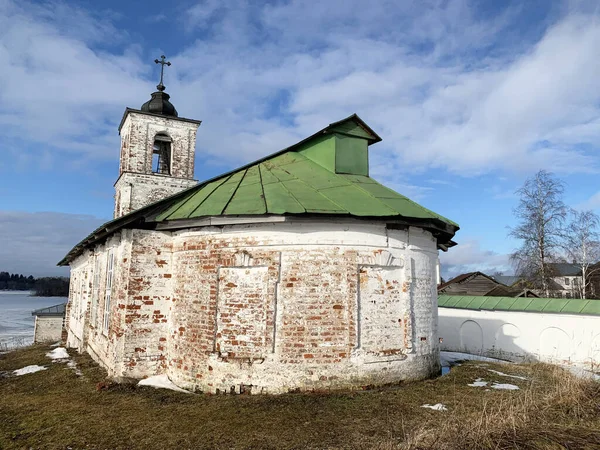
(162, 62)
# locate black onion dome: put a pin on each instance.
(160, 104)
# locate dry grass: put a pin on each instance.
(55, 409)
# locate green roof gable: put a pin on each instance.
(326, 173)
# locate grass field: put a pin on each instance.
(56, 409)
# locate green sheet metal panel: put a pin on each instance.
(281, 174)
(351, 155)
(279, 200)
(504, 303)
(266, 176)
(463, 302)
(379, 191)
(190, 205)
(490, 303)
(252, 176)
(593, 307)
(537, 304)
(218, 200)
(357, 178)
(574, 306)
(351, 127)
(406, 208)
(442, 300)
(248, 198)
(357, 202)
(315, 175)
(321, 151)
(520, 304)
(476, 302)
(451, 300)
(555, 305)
(165, 213)
(310, 198)
(284, 159)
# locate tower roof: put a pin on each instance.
(160, 104)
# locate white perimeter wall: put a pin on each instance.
(517, 336)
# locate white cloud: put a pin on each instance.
(469, 256)
(263, 77)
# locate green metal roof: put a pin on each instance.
(293, 184)
(322, 174)
(521, 304)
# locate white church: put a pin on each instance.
(294, 272)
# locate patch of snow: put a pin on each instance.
(73, 365)
(58, 353)
(478, 383)
(161, 381)
(28, 369)
(436, 407)
(506, 375)
(510, 387)
(56, 344)
(582, 373)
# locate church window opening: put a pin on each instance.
(80, 306)
(108, 293)
(161, 155)
(95, 292)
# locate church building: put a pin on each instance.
(294, 272)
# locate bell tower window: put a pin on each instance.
(161, 155)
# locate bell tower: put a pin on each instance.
(157, 152)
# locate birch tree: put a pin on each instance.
(541, 214)
(582, 246)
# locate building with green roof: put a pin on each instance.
(296, 271)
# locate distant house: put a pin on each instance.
(568, 282)
(472, 283)
(565, 281)
(49, 323)
(479, 284)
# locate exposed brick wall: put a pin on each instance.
(275, 307)
(137, 186)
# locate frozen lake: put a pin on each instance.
(16, 321)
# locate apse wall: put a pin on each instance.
(300, 305)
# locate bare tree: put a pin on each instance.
(541, 214)
(581, 243)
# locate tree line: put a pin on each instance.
(552, 232)
(43, 287)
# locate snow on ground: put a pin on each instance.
(436, 407)
(73, 365)
(478, 383)
(161, 381)
(58, 353)
(28, 369)
(506, 375)
(510, 387)
(582, 373)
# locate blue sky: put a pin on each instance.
(470, 98)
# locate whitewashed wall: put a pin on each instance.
(516, 336)
(301, 304)
(47, 328)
